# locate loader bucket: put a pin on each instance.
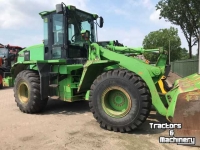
(187, 110)
(187, 113)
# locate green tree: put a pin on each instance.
(164, 38)
(184, 54)
(184, 13)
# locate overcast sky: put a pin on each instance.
(127, 21)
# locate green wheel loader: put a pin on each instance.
(71, 65)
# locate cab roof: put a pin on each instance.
(70, 7)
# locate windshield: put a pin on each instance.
(3, 52)
(77, 22)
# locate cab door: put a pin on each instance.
(58, 36)
(54, 37)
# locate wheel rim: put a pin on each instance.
(23, 92)
(116, 102)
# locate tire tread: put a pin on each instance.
(144, 93)
(35, 104)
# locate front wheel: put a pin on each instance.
(120, 100)
(27, 92)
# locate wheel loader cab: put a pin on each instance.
(63, 38)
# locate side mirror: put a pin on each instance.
(59, 8)
(101, 22)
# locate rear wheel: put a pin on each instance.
(1, 79)
(120, 100)
(27, 92)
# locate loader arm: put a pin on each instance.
(136, 50)
(145, 71)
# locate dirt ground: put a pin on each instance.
(71, 126)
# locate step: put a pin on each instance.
(54, 97)
(53, 85)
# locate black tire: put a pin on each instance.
(28, 80)
(1, 79)
(139, 97)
